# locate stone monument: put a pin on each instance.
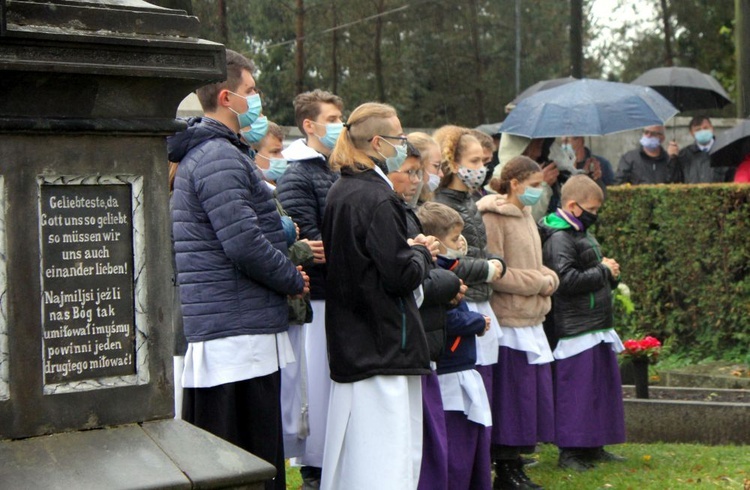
(88, 93)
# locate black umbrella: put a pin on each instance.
(731, 146)
(685, 88)
(538, 87)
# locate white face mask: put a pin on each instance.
(472, 178)
(434, 182)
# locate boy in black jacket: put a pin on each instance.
(589, 411)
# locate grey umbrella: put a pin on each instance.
(686, 88)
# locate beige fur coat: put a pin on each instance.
(522, 297)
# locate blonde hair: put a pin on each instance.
(453, 141)
(365, 122)
(580, 188)
(438, 219)
(423, 142)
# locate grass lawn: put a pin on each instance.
(649, 466)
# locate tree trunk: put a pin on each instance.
(223, 28)
(668, 56)
(576, 38)
(478, 66)
(299, 55)
(742, 27)
(334, 50)
(379, 79)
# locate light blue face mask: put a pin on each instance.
(254, 108)
(276, 168)
(333, 130)
(394, 162)
(256, 132)
(530, 196)
(704, 136)
(434, 182)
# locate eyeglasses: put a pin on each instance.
(401, 139)
(652, 133)
(414, 174)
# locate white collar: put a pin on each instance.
(706, 147)
(385, 177)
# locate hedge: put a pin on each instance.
(684, 251)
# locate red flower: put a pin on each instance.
(646, 348)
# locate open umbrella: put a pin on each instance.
(491, 129)
(587, 108)
(538, 87)
(731, 146)
(686, 88)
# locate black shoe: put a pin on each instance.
(574, 460)
(599, 454)
(509, 476)
(521, 474)
(529, 462)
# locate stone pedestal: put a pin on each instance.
(89, 93)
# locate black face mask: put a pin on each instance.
(586, 218)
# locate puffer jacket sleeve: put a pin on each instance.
(402, 268)
(560, 256)
(440, 287)
(224, 189)
(296, 191)
(462, 321)
(472, 270)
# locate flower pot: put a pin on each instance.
(640, 371)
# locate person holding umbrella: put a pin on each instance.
(694, 160)
(650, 163)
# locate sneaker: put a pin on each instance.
(574, 460)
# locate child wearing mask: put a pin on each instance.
(465, 401)
(522, 409)
(463, 174)
(589, 410)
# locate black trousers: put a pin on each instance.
(247, 414)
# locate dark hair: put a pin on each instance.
(236, 63)
(307, 105)
(519, 168)
(697, 121)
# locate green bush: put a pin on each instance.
(684, 251)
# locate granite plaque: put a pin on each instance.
(88, 292)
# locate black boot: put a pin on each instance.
(510, 476)
(521, 474)
(574, 459)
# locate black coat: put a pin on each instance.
(372, 322)
(302, 191)
(583, 301)
(476, 239)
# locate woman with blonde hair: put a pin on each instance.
(431, 159)
(376, 342)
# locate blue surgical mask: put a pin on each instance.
(704, 136)
(394, 162)
(650, 142)
(256, 132)
(254, 108)
(333, 130)
(530, 196)
(276, 168)
(434, 182)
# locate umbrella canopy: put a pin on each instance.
(686, 88)
(587, 108)
(731, 146)
(538, 87)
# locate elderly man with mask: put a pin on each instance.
(650, 163)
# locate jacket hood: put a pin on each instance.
(557, 221)
(299, 150)
(499, 204)
(510, 146)
(199, 130)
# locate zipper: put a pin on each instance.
(403, 324)
(598, 256)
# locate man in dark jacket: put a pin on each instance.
(233, 271)
(650, 163)
(695, 161)
(302, 190)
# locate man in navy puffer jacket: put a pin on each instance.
(234, 274)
